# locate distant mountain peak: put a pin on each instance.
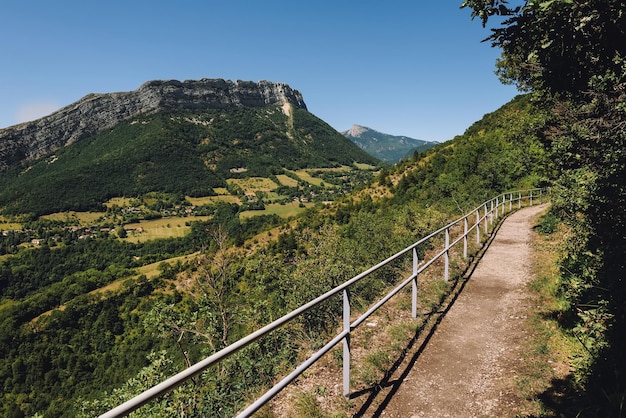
(357, 130)
(389, 148)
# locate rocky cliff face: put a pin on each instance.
(97, 112)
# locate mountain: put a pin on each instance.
(388, 148)
(97, 112)
(166, 136)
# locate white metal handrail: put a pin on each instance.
(490, 209)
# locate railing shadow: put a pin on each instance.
(430, 326)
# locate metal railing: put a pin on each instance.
(482, 216)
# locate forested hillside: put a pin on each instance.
(496, 153)
(178, 153)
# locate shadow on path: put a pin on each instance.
(429, 326)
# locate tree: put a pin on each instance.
(121, 232)
(215, 279)
(557, 45)
(572, 56)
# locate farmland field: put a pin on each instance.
(83, 218)
(362, 166)
(118, 201)
(251, 184)
(209, 200)
(9, 226)
(286, 180)
(284, 211)
(305, 176)
(171, 227)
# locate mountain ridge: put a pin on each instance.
(95, 113)
(386, 147)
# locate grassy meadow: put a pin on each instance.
(170, 227)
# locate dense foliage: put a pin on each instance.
(571, 55)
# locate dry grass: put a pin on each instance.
(209, 200)
(80, 218)
(284, 211)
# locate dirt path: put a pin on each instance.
(467, 367)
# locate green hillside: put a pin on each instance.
(499, 152)
(180, 153)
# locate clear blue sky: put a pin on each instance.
(414, 68)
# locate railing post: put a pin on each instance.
(465, 237)
(446, 270)
(497, 206)
(540, 196)
(478, 226)
(510, 202)
(491, 213)
(346, 343)
(531, 198)
(503, 202)
(414, 285)
(519, 201)
(486, 221)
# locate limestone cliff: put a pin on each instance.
(97, 112)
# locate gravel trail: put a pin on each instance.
(468, 366)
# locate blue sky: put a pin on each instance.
(415, 68)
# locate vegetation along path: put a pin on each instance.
(468, 367)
